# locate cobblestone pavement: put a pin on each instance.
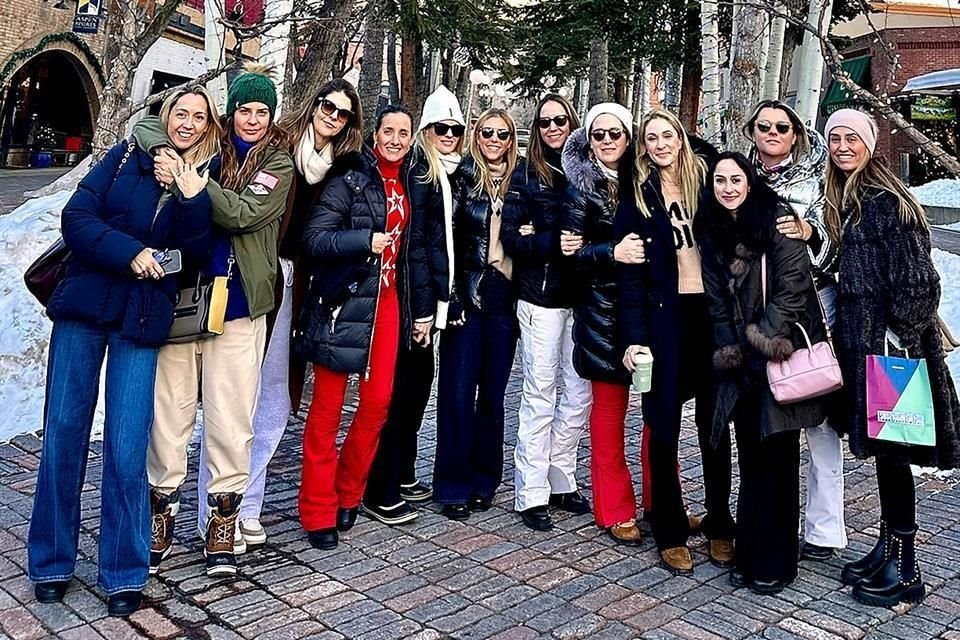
(488, 577)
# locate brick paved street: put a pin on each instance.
(488, 577)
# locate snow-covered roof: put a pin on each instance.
(945, 82)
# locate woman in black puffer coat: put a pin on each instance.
(591, 158)
(477, 348)
(358, 240)
(736, 228)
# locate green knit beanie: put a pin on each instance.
(252, 87)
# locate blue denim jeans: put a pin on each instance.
(77, 351)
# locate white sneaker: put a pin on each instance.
(239, 543)
(252, 531)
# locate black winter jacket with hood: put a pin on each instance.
(430, 282)
(336, 323)
(471, 231)
(590, 212)
(747, 333)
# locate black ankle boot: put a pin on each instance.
(898, 578)
(854, 572)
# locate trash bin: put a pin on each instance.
(41, 159)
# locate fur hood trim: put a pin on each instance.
(728, 357)
(738, 266)
(773, 349)
(577, 165)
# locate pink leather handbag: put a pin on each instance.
(807, 373)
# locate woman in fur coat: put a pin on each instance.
(755, 322)
(888, 293)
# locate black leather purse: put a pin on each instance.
(200, 310)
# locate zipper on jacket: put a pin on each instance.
(546, 270)
(333, 319)
(373, 327)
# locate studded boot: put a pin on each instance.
(163, 513)
(854, 572)
(221, 530)
(898, 578)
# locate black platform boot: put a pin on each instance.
(898, 578)
(854, 572)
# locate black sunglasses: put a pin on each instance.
(329, 108)
(442, 129)
(782, 127)
(600, 134)
(560, 121)
(502, 134)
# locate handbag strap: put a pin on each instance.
(823, 312)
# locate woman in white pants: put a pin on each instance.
(324, 129)
(548, 436)
(792, 159)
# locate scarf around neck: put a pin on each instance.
(449, 162)
(313, 165)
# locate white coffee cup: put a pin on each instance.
(643, 370)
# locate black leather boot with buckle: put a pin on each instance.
(898, 578)
(854, 572)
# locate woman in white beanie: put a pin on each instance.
(664, 310)
(888, 292)
(393, 482)
(591, 160)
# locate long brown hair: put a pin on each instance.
(350, 138)
(209, 144)
(235, 175)
(536, 151)
(844, 192)
(691, 169)
(485, 183)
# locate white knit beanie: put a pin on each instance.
(618, 111)
(441, 105)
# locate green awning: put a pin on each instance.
(837, 96)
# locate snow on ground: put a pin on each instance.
(939, 193)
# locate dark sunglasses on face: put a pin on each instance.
(560, 121)
(600, 134)
(329, 108)
(442, 129)
(782, 127)
(502, 134)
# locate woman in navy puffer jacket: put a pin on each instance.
(115, 299)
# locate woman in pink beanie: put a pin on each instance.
(888, 294)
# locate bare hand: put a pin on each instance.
(146, 266)
(421, 332)
(526, 230)
(629, 250)
(166, 165)
(380, 242)
(796, 228)
(570, 242)
(629, 357)
(190, 182)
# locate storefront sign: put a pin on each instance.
(87, 18)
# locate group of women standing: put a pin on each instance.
(611, 244)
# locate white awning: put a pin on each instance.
(936, 82)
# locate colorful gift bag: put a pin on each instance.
(899, 401)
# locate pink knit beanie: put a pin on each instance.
(859, 122)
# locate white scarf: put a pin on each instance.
(449, 162)
(312, 164)
(606, 172)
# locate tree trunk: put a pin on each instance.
(392, 67)
(371, 66)
(792, 37)
(599, 71)
(672, 84)
(462, 88)
(811, 62)
(325, 42)
(710, 58)
(692, 78)
(275, 45)
(745, 71)
(620, 87)
(412, 80)
(641, 97)
(771, 75)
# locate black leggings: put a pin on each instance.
(898, 496)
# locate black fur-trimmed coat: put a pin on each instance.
(748, 334)
(887, 280)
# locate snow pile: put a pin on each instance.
(25, 331)
(939, 193)
(948, 265)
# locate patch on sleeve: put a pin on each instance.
(263, 183)
(258, 189)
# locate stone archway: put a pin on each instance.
(50, 100)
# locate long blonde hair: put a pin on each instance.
(485, 183)
(432, 155)
(844, 193)
(209, 144)
(691, 169)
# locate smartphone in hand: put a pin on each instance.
(170, 261)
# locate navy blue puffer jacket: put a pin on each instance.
(111, 218)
